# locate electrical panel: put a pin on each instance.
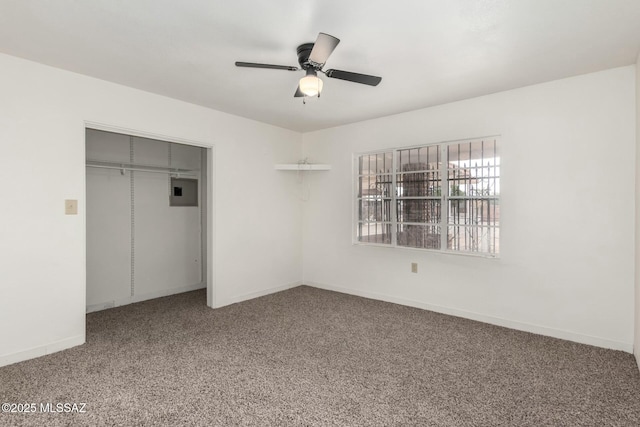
(184, 192)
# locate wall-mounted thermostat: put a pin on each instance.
(184, 192)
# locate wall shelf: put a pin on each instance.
(302, 167)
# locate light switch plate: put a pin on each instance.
(71, 207)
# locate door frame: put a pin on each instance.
(209, 182)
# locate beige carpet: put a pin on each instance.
(312, 357)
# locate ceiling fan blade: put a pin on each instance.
(270, 66)
(322, 48)
(298, 93)
(354, 77)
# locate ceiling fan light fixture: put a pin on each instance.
(310, 84)
(312, 57)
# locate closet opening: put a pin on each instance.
(147, 219)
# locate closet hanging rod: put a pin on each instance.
(140, 168)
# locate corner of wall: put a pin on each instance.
(636, 341)
(42, 350)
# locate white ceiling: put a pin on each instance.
(428, 52)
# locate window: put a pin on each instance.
(441, 197)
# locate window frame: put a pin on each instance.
(444, 198)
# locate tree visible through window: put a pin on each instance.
(439, 197)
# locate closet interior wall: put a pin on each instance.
(138, 246)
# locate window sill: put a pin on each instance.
(434, 251)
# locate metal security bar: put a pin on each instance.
(375, 196)
(473, 193)
(419, 201)
(439, 197)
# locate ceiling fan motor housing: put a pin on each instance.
(304, 50)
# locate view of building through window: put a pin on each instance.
(440, 197)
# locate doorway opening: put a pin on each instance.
(148, 218)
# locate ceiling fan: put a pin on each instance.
(312, 57)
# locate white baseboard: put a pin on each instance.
(257, 294)
(520, 326)
(32, 353)
(144, 297)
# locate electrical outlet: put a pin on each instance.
(70, 207)
(414, 267)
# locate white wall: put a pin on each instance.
(636, 346)
(568, 154)
(42, 251)
(108, 222)
(567, 243)
(164, 244)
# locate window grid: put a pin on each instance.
(374, 199)
(401, 202)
